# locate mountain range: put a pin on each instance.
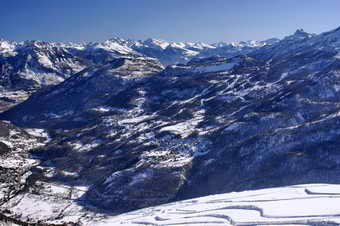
(137, 124)
(35, 64)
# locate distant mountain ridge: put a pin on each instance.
(34, 64)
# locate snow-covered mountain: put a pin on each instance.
(170, 53)
(34, 64)
(129, 133)
(224, 49)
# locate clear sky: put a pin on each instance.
(172, 20)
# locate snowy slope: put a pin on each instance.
(310, 204)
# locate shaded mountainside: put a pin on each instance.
(131, 134)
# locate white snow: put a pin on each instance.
(113, 46)
(15, 161)
(45, 61)
(178, 45)
(184, 129)
(276, 206)
(134, 120)
(79, 146)
(7, 48)
(103, 109)
(198, 45)
(37, 132)
(156, 43)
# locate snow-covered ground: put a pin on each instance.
(313, 204)
(310, 204)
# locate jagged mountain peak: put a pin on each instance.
(299, 34)
(151, 42)
(122, 41)
(199, 45)
(240, 44)
(300, 31)
(120, 47)
(249, 43)
(6, 46)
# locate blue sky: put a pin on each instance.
(173, 20)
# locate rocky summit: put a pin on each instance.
(128, 129)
